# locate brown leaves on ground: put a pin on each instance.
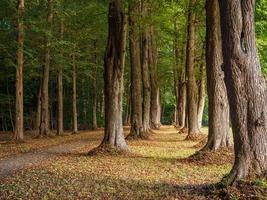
(150, 171)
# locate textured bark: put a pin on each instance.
(176, 74)
(136, 75)
(60, 88)
(44, 128)
(192, 90)
(19, 128)
(74, 96)
(201, 92)
(154, 107)
(145, 73)
(219, 126)
(113, 76)
(246, 89)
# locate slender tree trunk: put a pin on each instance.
(19, 128)
(113, 76)
(175, 74)
(246, 89)
(74, 96)
(182, 101)
(44, 128)
(60, 88)
(152, 55)
(192, 92)
(127, 120)
(145, 73)
(136, 73)
(201, 91)
(95, 92)
(219, 126)
(38, 111)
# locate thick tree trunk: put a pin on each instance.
(154, 107)
(60, 88)
(219, 126)
(136, 75)
(44, 123)
(19, 128)
(201, 92)
(113, 76)
(192, 90)
(145, 73)
(74, 96)
(246, 89)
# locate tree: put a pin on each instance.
(219, 125)
(136, 73)
(145, 73)
(192, 92)
(155, 101)
(113, 76)
(74, 96)
(19, 73)
(44, 128)
(60, 87)
(246, 89)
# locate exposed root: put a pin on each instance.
(196, 137)
(105, 149)
(221, 157)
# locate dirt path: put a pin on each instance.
(21, 161)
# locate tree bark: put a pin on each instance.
(182, 101)
(219, 126)
(246, 89)
(154, 107)
(201, 91)
(127, 120)
(74, 96)
(44, 128)
(145, 73)
(192, 92)
(60, 88)
(19, 128)
(113, 76)
(136, 75)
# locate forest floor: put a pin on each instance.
(158, 168)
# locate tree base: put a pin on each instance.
(106, 149)
(195, 136)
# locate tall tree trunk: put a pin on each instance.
(201, 91)
(74, 96)
(136, 75)
(95, 91)
(44, 128)
(19, 128)
(60, 87)
(246, 89)
(219, 126)
(127, 120)
(145, 73)
(38, 111)
(176, 74)
(152, 55)
(192, 92)
(113, 76)
(182, 101)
